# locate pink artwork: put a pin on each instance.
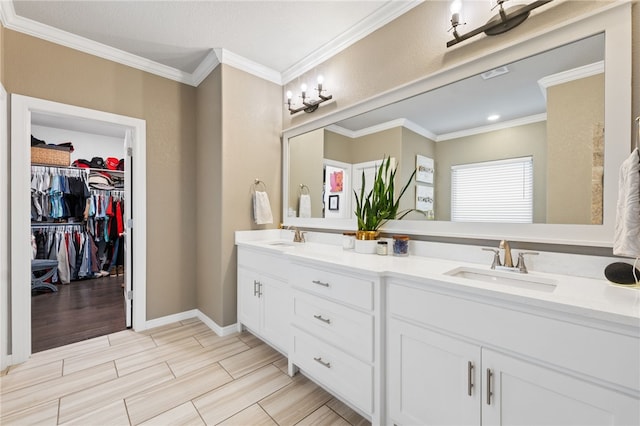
(336, 181)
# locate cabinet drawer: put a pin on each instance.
(338, 372)
(348, 329)
(275, 266)
(341, 287)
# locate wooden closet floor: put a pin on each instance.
(178, 374)
(78, 311)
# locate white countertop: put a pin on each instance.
(586, 297)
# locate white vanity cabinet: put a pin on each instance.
(264, 297)
(456, 359)
(335, 332)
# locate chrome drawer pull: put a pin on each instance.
(256, 292)
(324, 363)
(324, 320)
(489, 386)
(320, 283)
(469, 376)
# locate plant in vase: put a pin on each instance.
(380, 204)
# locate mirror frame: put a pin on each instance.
(615, 22)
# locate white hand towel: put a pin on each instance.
(261, 208)
(305, 206)
(626, 240)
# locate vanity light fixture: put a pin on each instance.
(308, 104)
(505, 20)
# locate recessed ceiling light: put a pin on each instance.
(493, 117)
(495, 72)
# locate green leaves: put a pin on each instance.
(380, 205)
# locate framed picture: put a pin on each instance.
(424, 169)
(334, 202)
(424, 198)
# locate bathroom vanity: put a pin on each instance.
(420, 340)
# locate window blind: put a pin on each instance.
(493, 191)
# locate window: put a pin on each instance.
(493, 191)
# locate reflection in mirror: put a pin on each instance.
(550, 108)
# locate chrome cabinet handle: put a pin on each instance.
(320, 361)
(469, 377)
(320, 283)
(489, 374)
(324, 320)
(255, 288)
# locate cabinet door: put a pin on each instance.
(248, 299)
(525, 393)
(432, 378)
(276, 305)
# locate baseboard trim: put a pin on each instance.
(194, 313)
(219, 330)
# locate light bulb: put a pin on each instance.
(456, 6)
(320, 79)
(303, 87)
(289, 94)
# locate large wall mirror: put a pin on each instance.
(547, 145)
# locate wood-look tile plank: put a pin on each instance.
(125, 337)
(201, 357)
(30, 376)
(224, 402)
(155, 400)
(91, 398)
(189, 320)
(347, 413)
(113, 414)
(283, 365)
(161, 329)
(250, 339)
(296, 401)
(180, 349)
(41, 415)
(209, 338)
(77, 363)
(178, 333)
(89, 346)
(250, 360)
(253, 415)
(323, 416)
(29, 396)
(183, 415)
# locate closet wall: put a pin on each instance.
(45, 70)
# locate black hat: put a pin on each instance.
(97, 163)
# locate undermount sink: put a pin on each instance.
(281, 243)
(512, 279)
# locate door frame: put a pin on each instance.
(22, 108)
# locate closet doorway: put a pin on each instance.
(120, 138)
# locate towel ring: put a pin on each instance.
(256, 185)
(302, 189)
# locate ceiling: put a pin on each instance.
(280, 39)
(464, 106)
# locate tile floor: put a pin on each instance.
(179, 374)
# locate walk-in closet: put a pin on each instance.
(73, 165)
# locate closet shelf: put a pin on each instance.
(78, 168)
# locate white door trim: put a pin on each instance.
(4, 228)
(22, 108)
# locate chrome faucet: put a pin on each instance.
(508, 260)
(298, 236)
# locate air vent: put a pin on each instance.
(495, 72)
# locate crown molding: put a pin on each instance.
(400, 122)
(208, 64)
(570, 75)
(64, 38)
(217, 56)
(492, 127)
(371, 23)
(229, 58)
